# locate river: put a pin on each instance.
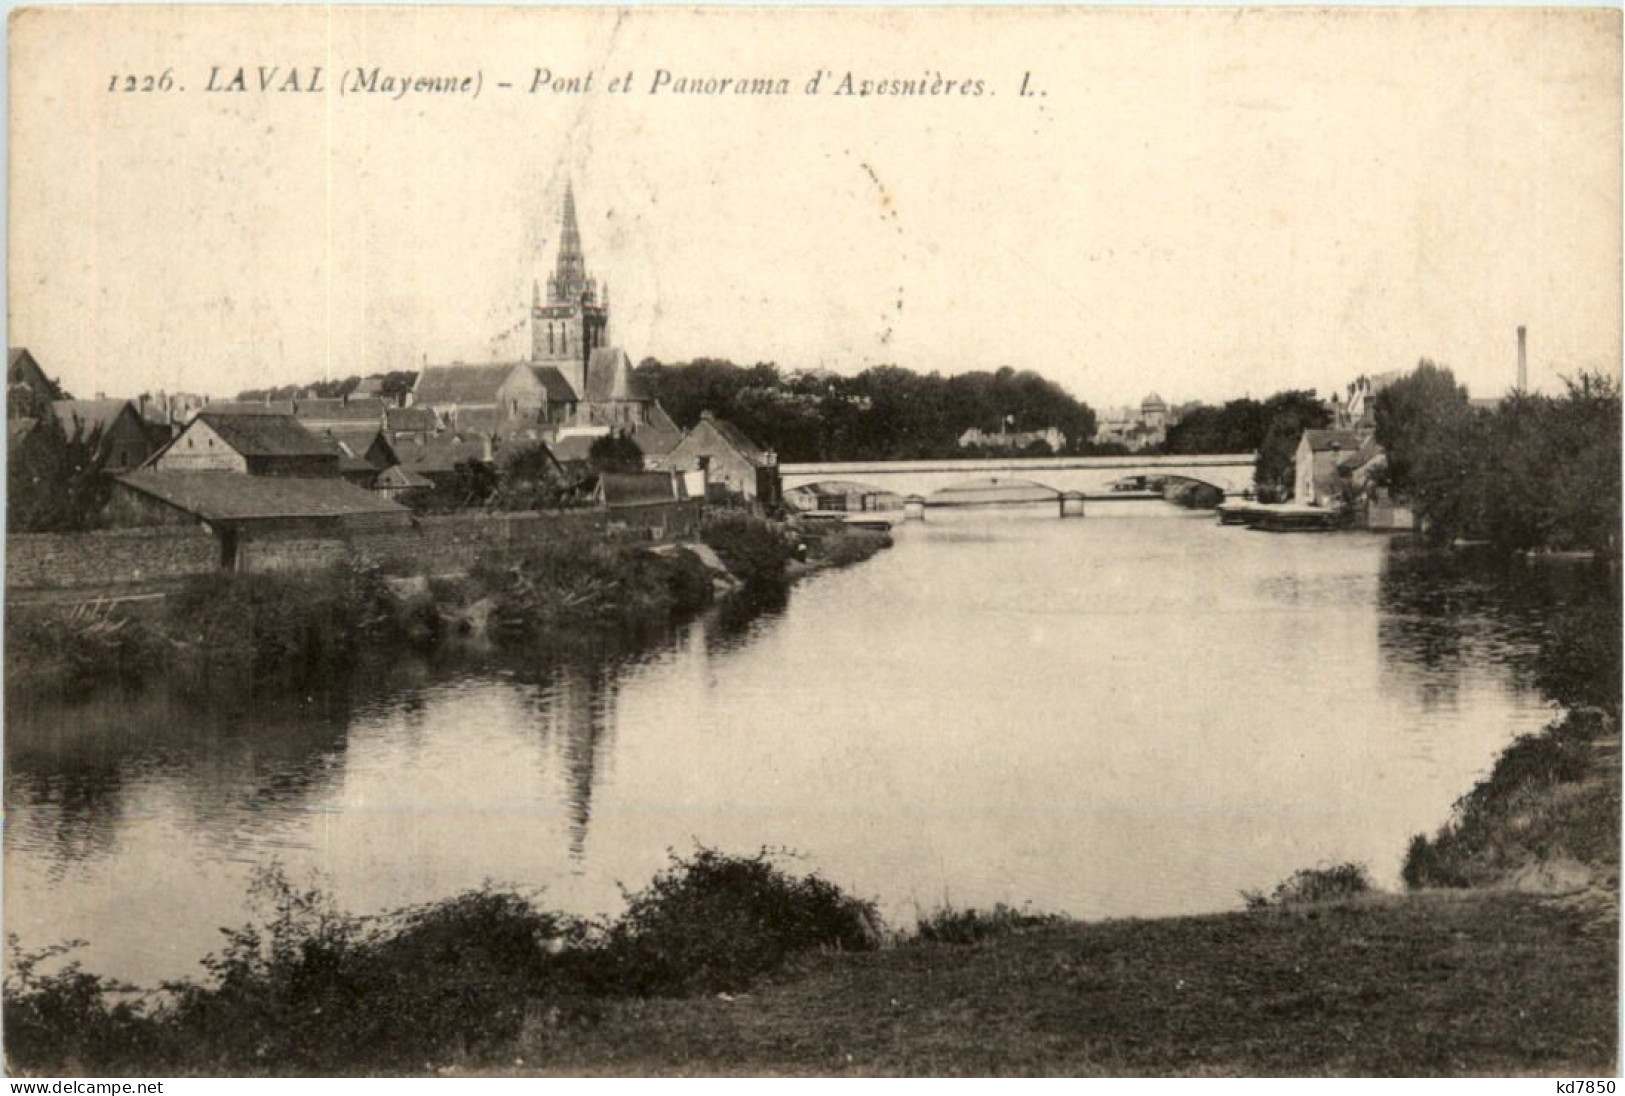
(1135, 714)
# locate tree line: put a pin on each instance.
(1532, 472)
(886, 412)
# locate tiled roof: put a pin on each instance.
(358, 441)
(265, 435)
(1321, 440)
(461, 384)
(442, 453)
(479, 420)
(352, 410)
(231, 496)
(401, 478)
(736, 438)
(250, 407)
(609, 377)
(576, 447)
(559, 389)
(656, 440)
(638, 488)
(400, 419)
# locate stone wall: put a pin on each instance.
(435, 544)
(111, 557)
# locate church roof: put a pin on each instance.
(1153, 400)
(559, 389)
(460, 384)
(610, 377)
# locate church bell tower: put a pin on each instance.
(573, 320)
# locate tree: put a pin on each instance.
(1415, 412)
(53, 481)
(1287, 415)
(615, 453)
(529, 478)
(885, 412)
(1239, 426)
(472, 484)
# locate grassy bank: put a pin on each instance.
(730, 965)
(289, 629)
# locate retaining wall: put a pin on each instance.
(108, 557)
(433, 544)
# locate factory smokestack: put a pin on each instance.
(1523, 358)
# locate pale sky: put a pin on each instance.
(1205, 203)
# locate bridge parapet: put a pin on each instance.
(1091, 476)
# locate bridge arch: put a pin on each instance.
(841, 496)
(992, 491)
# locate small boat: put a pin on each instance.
(1242, 512)
(1302, 519)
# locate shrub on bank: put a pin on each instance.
(756, 551)
(87, 643)
(1538, 803)
(309, 989)
(717, 922)
(947, 925)
(589, 583)
(845, 545)
(282, 623)
(1310, 885)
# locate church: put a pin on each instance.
(575, 384)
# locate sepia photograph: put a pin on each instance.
(868, 541)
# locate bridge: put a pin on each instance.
(1018, 478)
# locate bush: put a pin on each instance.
(589, 583)
(754, 550)
(1531, 807)
(1311, 885)
(951, 926)
(844, 546)
(284, 624)
(88, 643)
(69, 1019)
(312, 990)
(305, 988)
(717, 922)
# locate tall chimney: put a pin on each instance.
(1523, 358)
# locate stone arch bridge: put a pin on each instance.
(1093, 477)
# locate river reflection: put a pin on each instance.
(1135, 714)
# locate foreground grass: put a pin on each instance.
(1433, 984)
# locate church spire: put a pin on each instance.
(569, 280)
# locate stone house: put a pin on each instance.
(254, 445)
(733, 463)
(655, 503)
(260, 521)
(1317, 477)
